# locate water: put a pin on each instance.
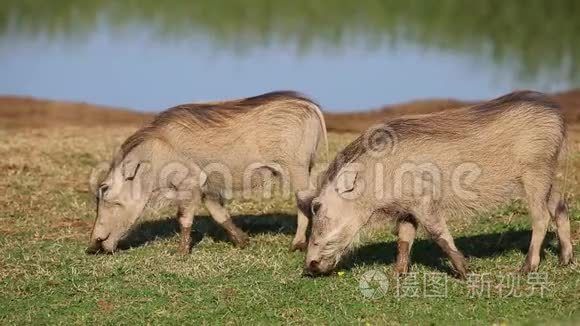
(349, 56)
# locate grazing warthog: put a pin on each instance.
(207, 153)
(424, 169)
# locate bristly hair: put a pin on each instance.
(201, 115)
(349, 154)
(532, 97)
(448, 124)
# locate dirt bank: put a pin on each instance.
(18, 112)
(28, 112)
(358, 121)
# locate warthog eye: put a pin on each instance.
(102, 190)
(315, 208)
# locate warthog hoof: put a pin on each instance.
(528, 267)
(298, 246)
(183, 249)
(566, 257)
(240, 239)
(462, 275)
(236, 235)
(460, 268)
(401, 269)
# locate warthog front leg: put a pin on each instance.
(219, 213)
(406, 230)
(185, 217)
(300, 182)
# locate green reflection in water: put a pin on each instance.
(534, 38)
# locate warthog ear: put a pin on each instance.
(345, 181)
(304, 201)
(202, 178)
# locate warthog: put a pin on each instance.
(207, 153)
(424, 169)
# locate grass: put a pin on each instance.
(46, 213)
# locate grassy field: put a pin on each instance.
(47, 210)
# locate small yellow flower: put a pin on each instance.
(341, 274)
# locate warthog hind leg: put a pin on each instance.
(220, 214)
(441, 235)
(537, 193)
(559, 212)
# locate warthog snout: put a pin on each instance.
(96, 245)
(313, 268)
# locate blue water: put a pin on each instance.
(129, 68)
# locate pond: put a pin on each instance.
(348, 55)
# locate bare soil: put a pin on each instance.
(28, 112)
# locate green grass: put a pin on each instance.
(46, 213)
